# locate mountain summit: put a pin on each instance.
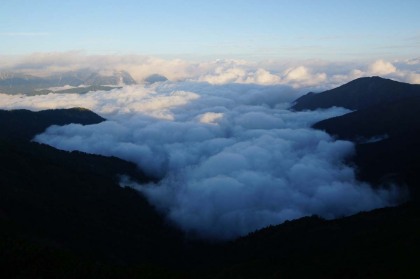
(358, 94)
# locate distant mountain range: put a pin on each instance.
(63, 214)
(116, 78)
(13, 83)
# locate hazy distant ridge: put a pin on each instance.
(13, 83)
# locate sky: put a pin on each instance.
(247, 29)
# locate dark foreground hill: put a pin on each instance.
(63, 215)
(383, 243)
(25, 124)
(386, 133)
(358, 94)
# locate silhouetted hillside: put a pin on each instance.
(379, 244)
(388, 142)
(25, 124)
(68, 207)
(394, 119)
(358, 94)
(385, 128)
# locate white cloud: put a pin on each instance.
(301, 76)
(262, 76)
(222, 75)
(381, 67)
(297, 73)
(413, 78)
(210, 117)
(309, 75)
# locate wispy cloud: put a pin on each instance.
(24, 34)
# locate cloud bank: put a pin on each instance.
(231, 158)
(307, 74)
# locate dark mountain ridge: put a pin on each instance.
(24, 124)
(358, 94)
(387, 140)
(386, 130)
(393, 119)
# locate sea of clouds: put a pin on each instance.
(310, 74)
(230, 157)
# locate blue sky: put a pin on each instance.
(249, 29)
